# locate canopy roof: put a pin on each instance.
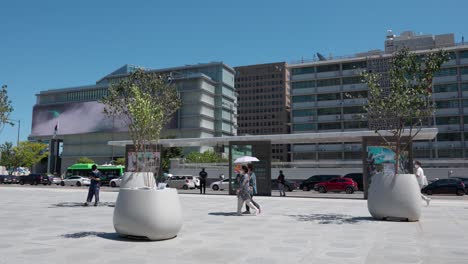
(303, 138)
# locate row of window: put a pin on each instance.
(257, 97)
(451, 71)
(261, 90)
(252, 124)
(74, 96)
(261, 103)
(329, 68)
(258, 84)
(258, 77)
(327, 82)
(332, 111)
(263, 131)
(329, 96)
(260, 110)
(257, 117)
(329, 126)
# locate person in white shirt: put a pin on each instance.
(422, 180)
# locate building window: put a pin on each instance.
(354, 110)
(448, 120)
(306, 112)
(328, 82)
(449, 137)
(354, 95)
(446, 72)
(464, 54)
(302, 85)
(448, 104)
(303, 99)
(304, 70)
(464, 70)
(327, 126)
(328, 96)
(355, 124)
(446, 88)
(304, 127)
(354, 65)
(328, 68)
(329, 111)
(353, 80)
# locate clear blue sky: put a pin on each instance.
(56, 44)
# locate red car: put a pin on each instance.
(337, 185)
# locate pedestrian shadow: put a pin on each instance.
(105, 235)
(337, 219)
(223, 213)
(73, 204)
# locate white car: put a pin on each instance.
(115, 182)
(75, 181)
(56, 180)
(183, 181)
(220, 185)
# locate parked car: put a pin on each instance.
(220, 185)
(465, 181)
(115, 182)
(445, 186)
(196, 180)
(181, 182)
(56, 180)
(8, 179)
(289, 185)
(337, 185)
(34, 179)
(309, 184)
(357, 177)
(75, 181)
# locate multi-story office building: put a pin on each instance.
(264, 102)
(209, 105)
(329, 95)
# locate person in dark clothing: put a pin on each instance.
(203, 175)
(94, 186)
(281, 183)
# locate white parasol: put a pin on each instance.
(246, 159)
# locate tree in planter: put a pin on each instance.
(84, 160)
(145, 102)
(406, 105)
(120, 161)
(5, 107)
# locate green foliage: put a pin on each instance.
(6, 155)
(120, 161)
(145, 102)
(5, 107)
(406, 105)
(84, 160)
(205, 157)
(27, 154)
(167, 154)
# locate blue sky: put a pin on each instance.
(56, 44)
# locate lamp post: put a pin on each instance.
(19, 128)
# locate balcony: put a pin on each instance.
(445, 95)
(357, 101)
(444, 79)
(353, 72)
(354, 87)
(464, 77)
(329, 103)
(303, 105)
(328, 89)
(464, 61)
(447, 111)
(329, 118)
(303, 77)
(328, 74)
(303, 91)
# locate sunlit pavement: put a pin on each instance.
(49, 225)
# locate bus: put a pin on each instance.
(108, 172)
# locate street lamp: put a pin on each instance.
(19, 127)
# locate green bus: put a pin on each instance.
(108, 172)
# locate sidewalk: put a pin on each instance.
(51, 226)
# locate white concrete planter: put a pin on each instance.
(138, 180)
(154, 214)
(394, 196)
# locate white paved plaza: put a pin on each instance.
(50, 226)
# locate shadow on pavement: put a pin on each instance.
(223, 213)
(72, 204)
(337, 219)
(104, 235)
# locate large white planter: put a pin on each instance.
(394, 196)
(137, 180)
(154, 214)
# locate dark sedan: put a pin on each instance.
(8, 179)
(445, 186)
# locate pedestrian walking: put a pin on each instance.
(203, 175)
(422, 180)
(243, 192)
(253, 189)
(94, 187)
(281, 183)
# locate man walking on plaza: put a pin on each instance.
(203, 175)
(94, 186)
(422, 180)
